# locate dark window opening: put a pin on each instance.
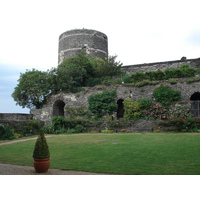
(195, 105)
(195, 96)
(120, 110)
(58, 108)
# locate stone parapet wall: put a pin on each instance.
(15, 117)
(130, 69)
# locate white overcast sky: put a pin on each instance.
(139, 31)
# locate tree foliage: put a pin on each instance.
(73, 73)
(32, 89)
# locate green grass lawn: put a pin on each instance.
(115, 153)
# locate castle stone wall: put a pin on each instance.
(123, 92)
(15, 117)
(71, 42)
(130, 69)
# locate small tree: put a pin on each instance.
(32, 89)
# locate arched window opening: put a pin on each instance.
(58, 108)
(195, 96)
(195, 105)
(120, 110)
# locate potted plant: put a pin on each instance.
(41, 154)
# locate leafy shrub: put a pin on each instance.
(41, 149)
(172, 81)
(79, 129)
(155, 75)
(75, 112)
(103, 103)
(32, 127)
(107, 131)
(145, 103)
(180, 125)
(58, 122)
(61, 123)
(156, 111)
(187, 71)
(5, 132)
(145, 82)
(178, 112)
(127, 79)
(138, 76)
(165, 95)
(48, 129)
(116, 124)
(195, 79)
(132, 109)
(181, 72)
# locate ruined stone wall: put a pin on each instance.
(71, 42)
(15, 117)
(123, 92)
(130, 69)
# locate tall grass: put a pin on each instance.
(115, 153)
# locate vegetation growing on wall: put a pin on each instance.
(165, 95)
(132, 109)
(103, 103)
(71, 75)
(182, 72)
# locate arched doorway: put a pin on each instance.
(58, 108)
(120, 110)
(195, 105)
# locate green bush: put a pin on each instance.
(179, 112)
(62, 124)
(41, 149)
(32, 127)
(75, 112)
(127, 79)
(181, 72)
(138, 76)
(145, 82)
(103, 103)
(165, 95)
(48, 129)
(187, 71)
(5, 132)
(156, 111)
(58, 122)
(180, 125)
(132, 109)
(79, 129)
(155, 75)
(145, 103)
(116, 124)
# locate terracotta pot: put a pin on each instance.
(41, 165)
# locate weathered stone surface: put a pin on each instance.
(15, 116)
(123, 92)
(71, 42)
(161, 65)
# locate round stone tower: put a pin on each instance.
(71, 42)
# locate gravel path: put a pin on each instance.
(8, 169)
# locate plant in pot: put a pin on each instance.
(41, 154)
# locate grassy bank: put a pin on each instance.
(115, 153)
